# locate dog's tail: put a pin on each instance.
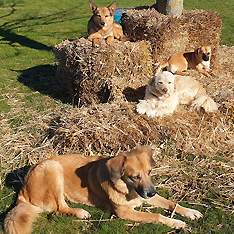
(161, 66)
(205, 102)
(19, 220)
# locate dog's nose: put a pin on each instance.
(151, 192)
(205, 57)
(165, 90)
(102, 24)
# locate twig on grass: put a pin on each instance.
(93, 220)
(173, 212)
(7, 195)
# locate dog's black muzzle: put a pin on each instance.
(146, 194)
(205, 57)
(102, 24)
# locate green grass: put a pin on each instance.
(28, 31)
(214, 220)
(224, 8)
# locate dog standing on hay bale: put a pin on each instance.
(102, 24)
(116, 183)
(179, 62)
(165, 91)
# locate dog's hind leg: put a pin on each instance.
(77, 212)
(202, 100)
(63, 208)
(161, 66)
(49, 193)
(181, 73)
(59, 195)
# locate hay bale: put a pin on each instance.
(100, 74)
(171, 34)
(109, 74)
(117, 126)
(110, 128)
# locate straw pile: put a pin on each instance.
(117, 126)
(113, 127)
(21, 140)
(102, 73)
(171, 34)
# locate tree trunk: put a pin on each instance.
(170, 7)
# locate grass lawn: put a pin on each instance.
(28, 32)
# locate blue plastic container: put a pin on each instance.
(118, 14)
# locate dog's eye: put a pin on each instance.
(98, 16)
(137, 177)
(169, 82)
(149, 172)
(160, 82)
(107, 16)
(208, 53)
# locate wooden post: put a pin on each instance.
(170, 7)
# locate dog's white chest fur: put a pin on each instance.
(158, 107)
(206, 64)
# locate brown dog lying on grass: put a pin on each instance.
(117, 184)
(179, 62)
(103, 26)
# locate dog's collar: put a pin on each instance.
(155, 95)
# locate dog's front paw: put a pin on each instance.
(80, 213)
(151, 113)
(177, 224)
(142, 107)
(85, 214)
(193, 214)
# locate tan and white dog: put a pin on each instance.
(179, 62)
(103, 26)
(165, 91)
(118, 184)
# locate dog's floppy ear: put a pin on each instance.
(112, 7)
(151, 81)
(116, 167)
(148, 150)
(92, 6)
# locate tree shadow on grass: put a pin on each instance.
(42, 79)
(7, 35)
(29, 22)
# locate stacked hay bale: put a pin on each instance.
(103, 73)
(106, 73)
(171, 34)
(117, 73)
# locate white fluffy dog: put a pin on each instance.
(165, 91)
